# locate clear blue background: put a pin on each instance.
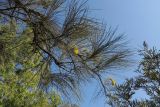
(139, 19)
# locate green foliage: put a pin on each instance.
(18, 77)
(148, 80)
(18, 91)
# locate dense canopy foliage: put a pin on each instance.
(18, 77)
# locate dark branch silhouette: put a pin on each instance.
(60, 26)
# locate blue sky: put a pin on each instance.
(139, 19)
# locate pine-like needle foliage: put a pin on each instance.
(74, 48)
